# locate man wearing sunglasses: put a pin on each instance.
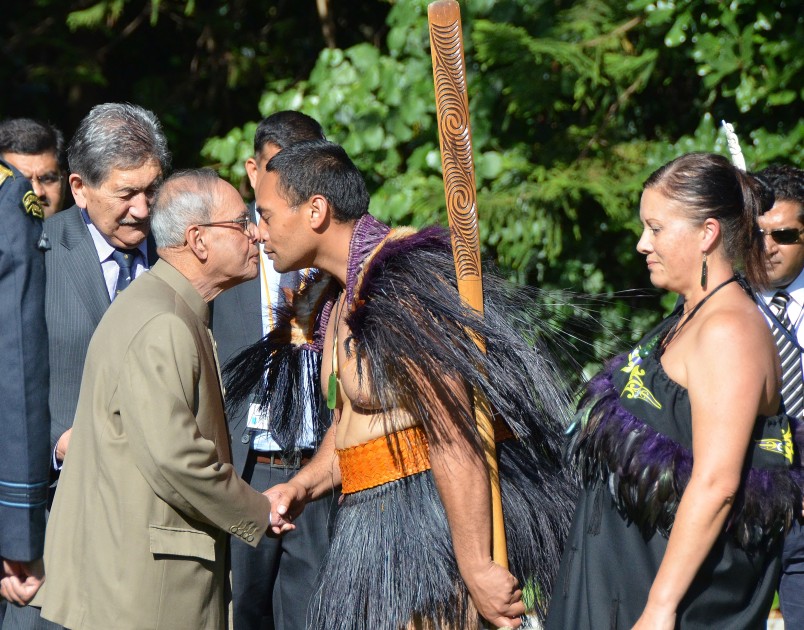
(783, 228)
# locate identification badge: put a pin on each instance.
(258, 418)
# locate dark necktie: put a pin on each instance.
(125, 260)
(792, 381)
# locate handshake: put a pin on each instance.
(19, 581)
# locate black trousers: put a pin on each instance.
(791, 585)
(272, 584)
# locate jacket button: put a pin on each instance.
(245, 439)
(233, 529)
(250, 539)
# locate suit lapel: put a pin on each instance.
(83, 268)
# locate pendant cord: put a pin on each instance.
(332, 382)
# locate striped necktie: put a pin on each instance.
(792, 381)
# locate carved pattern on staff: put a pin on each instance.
(456, 147)
(455, 137)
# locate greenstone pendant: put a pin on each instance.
(332, 391)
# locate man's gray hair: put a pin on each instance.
(186, 198)
(116, 135)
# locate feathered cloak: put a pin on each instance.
(409, 325)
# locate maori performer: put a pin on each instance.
(683, 445)
(381, 338)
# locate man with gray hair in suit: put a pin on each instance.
(138, 538)
(117, 159)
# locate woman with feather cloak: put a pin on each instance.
(683, 443)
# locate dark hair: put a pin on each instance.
(787, 183)
(116, 135)
(319, 167)
(31, 137)
(709, 186)
(285, 128)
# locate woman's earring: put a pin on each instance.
(704, 272)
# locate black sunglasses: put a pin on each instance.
(783, 236)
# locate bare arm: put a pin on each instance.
(462, 480)
(724, 410)
(320, 476)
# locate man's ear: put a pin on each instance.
(77, 188)
(251, 171)
(196, 241)
(320, 212)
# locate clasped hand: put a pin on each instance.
(496, 595)
(287, 502)
(21, 580)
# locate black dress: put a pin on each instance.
(632, 443)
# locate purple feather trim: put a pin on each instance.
(647, 471)
(433, 237)
(393, 251)
(368, 233)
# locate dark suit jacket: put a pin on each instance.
(236, 316)
(75, 301)
(23, 387)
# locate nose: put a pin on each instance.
(38, 189)
(140, 208)
(643, 244)
(252, 233)
(770, 244)
(262, 232)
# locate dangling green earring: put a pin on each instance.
(704, 272)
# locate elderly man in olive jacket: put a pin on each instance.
(138, 536)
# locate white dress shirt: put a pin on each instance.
(109, 267)
(795, 307)
(269, 297)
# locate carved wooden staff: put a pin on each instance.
(452, 105)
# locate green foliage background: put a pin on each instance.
(573, 104)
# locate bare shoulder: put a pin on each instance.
(736, 331)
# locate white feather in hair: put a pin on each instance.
(734, 146)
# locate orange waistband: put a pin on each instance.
(384, 459)
(392, 457)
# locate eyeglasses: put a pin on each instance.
(783, 236)
(243, 222)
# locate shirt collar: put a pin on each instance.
(796, 289)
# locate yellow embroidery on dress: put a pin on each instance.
(787, 436)
(635, 388)
(782, 447)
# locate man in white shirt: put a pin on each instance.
(783, 228)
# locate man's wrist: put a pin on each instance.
(55, 462)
